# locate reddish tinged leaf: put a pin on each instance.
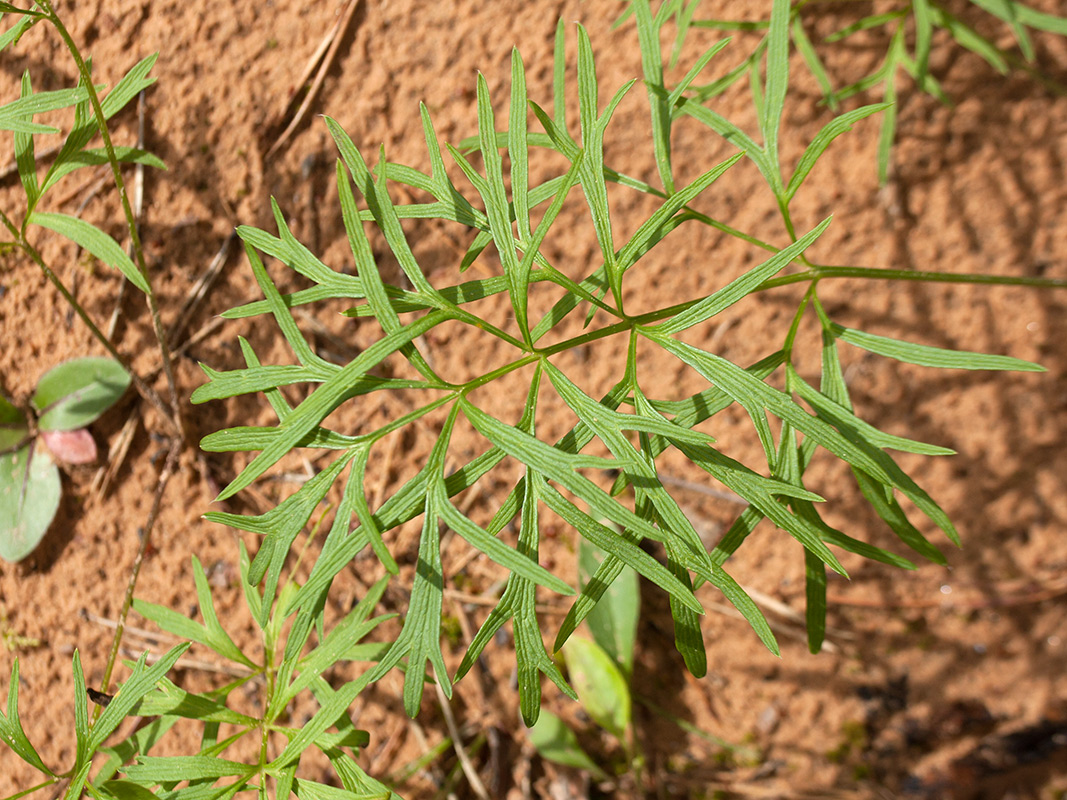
(71, 447)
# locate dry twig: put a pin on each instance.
(457, 743)
(327, 52)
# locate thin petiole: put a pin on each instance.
(820, 272)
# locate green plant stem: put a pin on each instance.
(131, 220)
(820, 272)
(174, 415)
(790, 338)
(628, 324)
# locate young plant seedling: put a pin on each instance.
(68, 398)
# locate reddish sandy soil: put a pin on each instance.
(934, 683)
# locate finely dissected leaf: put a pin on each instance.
(355, 779)
(518, 599)
(347, 734)
(78, 780)
(325, 718)
(757, 397)
(731, 133)
(1012, 13)
(830, 131)
(928, 356)
(82, 731)
(676, 93)
(811, 58)
(169, 700)
(27, 19)
(740, 287)
(847, 443)
(495, 549)
(553, 463)
(326, 398)
(156, 769)
(75, 393)
(205, 790)
(923, 12)
(12, 115)
(777, 83)
(25, 159)
(652, 230)
(13, 426)
(282, 525)
(306, 789)
(832, 411)
(890, 511)
(98, 157)
(652, 66)
(405, 312)
(140, 741)
(554, 741)
(212, 635)
(11, 732)
(420, 639)
(688, 637)
(338, 644)
(282, 315)
(613, 621)
(972, 40)
(127, 790)
(140, 683)
(95, 241)
(86, 126)
(888, 133)
(815, 594)
(494, 194)
(29, 499)
(602, 688)
(405, 504)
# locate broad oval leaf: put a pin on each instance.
(29, 499)
(613, 620)
(555, 742)
(77, 392)
(13, 426)
(601, 686)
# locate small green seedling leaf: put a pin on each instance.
(29, 499)
(77, 392)
(555, 742)
(613, 620)
(601, 686)
(13, 426)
